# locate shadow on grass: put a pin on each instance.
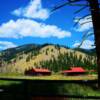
(27, 90)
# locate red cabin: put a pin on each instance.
(38, 71)
(74, 71)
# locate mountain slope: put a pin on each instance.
(17, 60)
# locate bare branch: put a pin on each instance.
(68, 3)
(74, 0)
(60, 6)
(80, 9)
(81, 19)
(86, 22)
(72, 4)
(85, 36)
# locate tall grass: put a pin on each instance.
(79, 89)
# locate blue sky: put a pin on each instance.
(31, 21)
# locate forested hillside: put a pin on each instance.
(53, 57)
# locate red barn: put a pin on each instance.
(38, 71)
(74, 71)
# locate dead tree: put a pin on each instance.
(95, 14)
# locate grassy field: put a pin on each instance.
(69, 88)
(7, 83)
(51, 77)
(57, 88)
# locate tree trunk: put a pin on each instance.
(95, 12)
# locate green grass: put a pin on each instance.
(51, 77)
(60, 88)
(7, 83)
(80, 90)
(68, 88)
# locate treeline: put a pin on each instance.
(67, 60)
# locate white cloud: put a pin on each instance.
(33, 10)
(26, 27)
(6, 44)
(83, 25)
(87, 44)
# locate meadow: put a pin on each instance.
(51, 77)
(33, 87)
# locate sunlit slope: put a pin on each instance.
(27, 56)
